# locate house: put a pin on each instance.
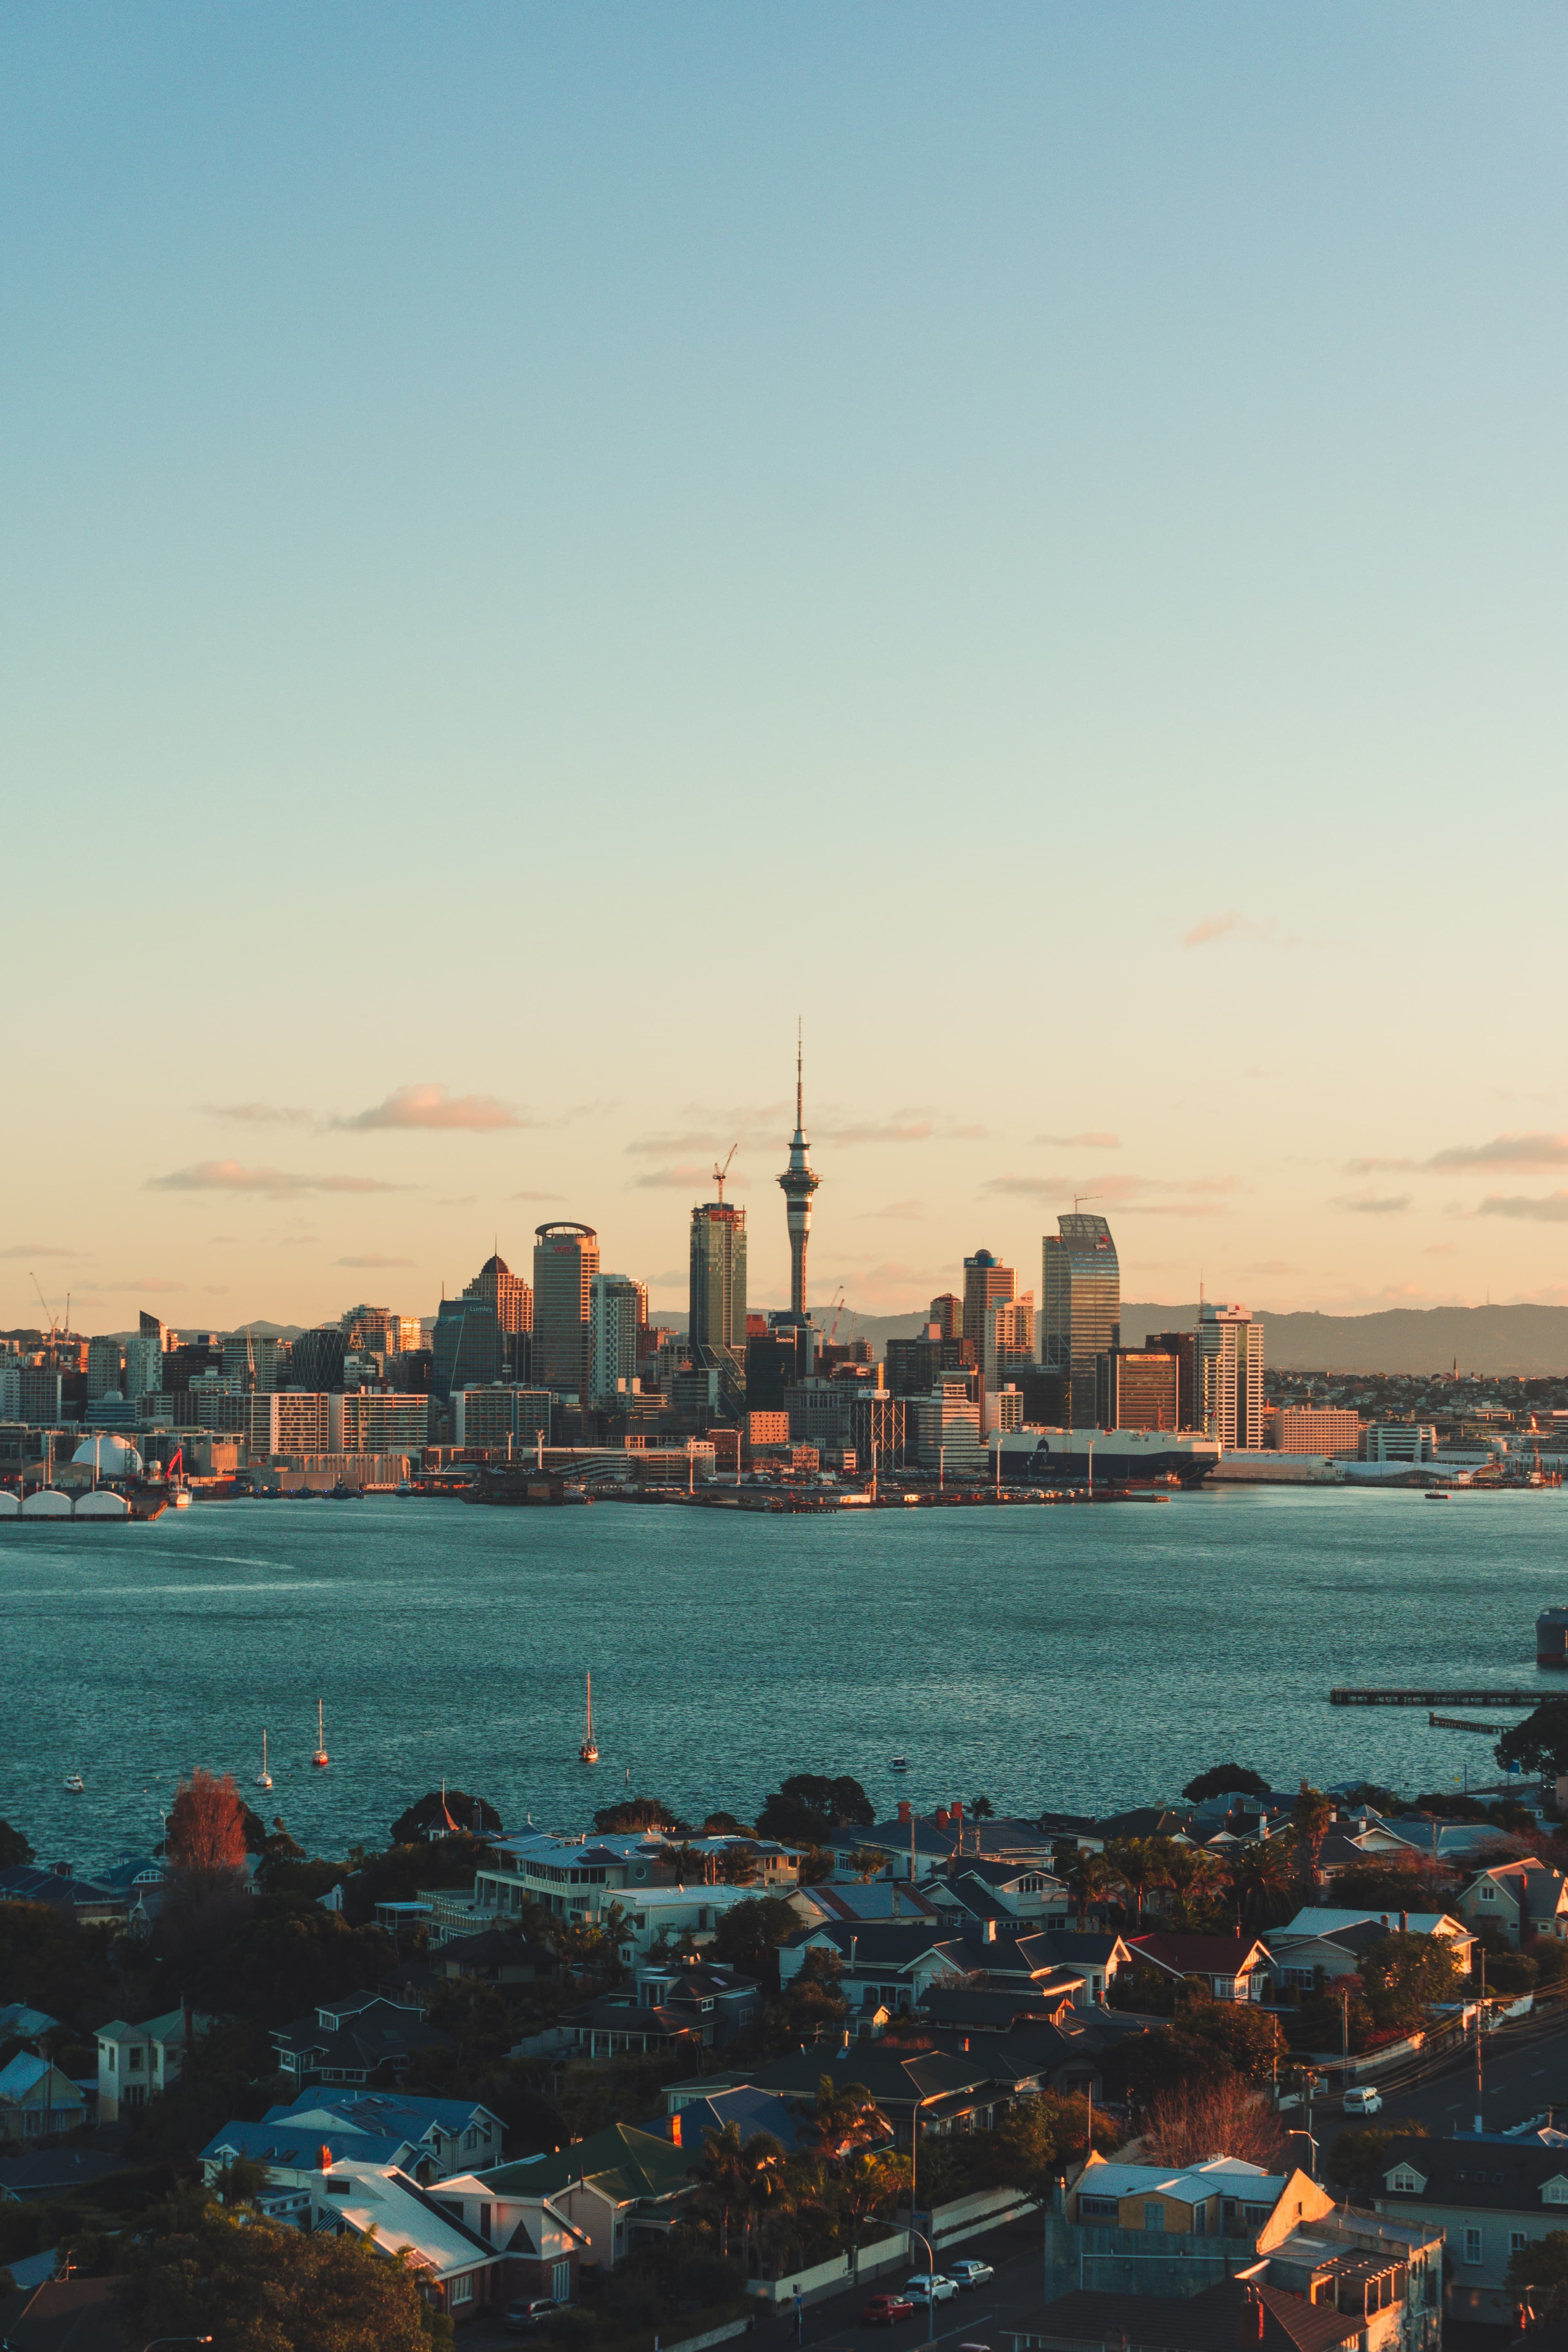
(584, 1880)
(43, 2171)
(495, 1956)
(353, 2040)
(20, 2023)
(1319, 1942)
(1488, 2196)
(922, 1846)
(1223, 2198)
(1234, 1968)
(88, 1905)
(1247, 2311)
(1004, 1891)
(613, 2190)
(459, 2269)
(444, 2134)
(47, 2313)
(621, 2021)
(873, 1899)
(883, 1962)
(1524, 1898)
(142, 1880)
(290, 2153)
(717, 1999)
(701, 2110)
(36, 2100)
(136, 2062)
(948, 2089)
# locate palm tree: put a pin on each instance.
(764, 2180)
(1139, 1864)
(1260, 1875)
(721, 2175)
(866, 2183)
(1309, 1818)
(1191, 1874)
(844, 2116)
(1091, 1877)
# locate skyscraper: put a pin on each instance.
(986, 1280)
(512, 1301)
(718, 1318)
(566, 1260)
(799, 1182)
(1081, 1310)
(618, 1311)
(1227, 1376)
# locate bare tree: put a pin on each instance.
(1184, 2125)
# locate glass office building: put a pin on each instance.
(1081, 1313)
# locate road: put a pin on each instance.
(1525, 2068)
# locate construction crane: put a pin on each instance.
(719, 1173)
(42, 1300)
(833, 1326)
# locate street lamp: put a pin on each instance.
(931, 2276)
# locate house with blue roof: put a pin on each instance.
(442, 2135)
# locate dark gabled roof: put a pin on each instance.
(41, 2172)
(1209, 2322)
(630, 2165)
(1505, 2176)
(1146, 1820)
(624, 2016)
(26, 1883)
(496, 1947)
(982, 2009)
(78, 2312)
(877, 1943)
(1195, 1955)
(895, 2077)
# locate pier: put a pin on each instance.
(1430, 1698)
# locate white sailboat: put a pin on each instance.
(589, 1751)
(264, 1777)
(320, 1758)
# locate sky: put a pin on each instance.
(543, 544)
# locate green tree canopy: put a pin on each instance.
(434, 1816)
(807, 1808)
(748, 1936)
(1538, 1745)
(14, 1851)
(254, 2287)
(1403, 1975)
(1224, 1780)
(639, 1813)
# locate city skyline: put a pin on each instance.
(760, 470)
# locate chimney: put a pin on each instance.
(904, 1810)
(1249, 2316)
(323, 2159)
(675, 2128)
(957, 1810)
(1404, 1923)
(941, 1817)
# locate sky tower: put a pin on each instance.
(798, 1183)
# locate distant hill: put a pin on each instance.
(1531, 1341)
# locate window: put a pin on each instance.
(560, 2282)
(136, 2062)
(485, 2223)
(1473, 2245)
(1097, 2208)
(1255, 2216)
(1517, 2241)
(1153, 2216)
(1402, 2178)
(470, 2137)
(1489, 1895)
(463, 2288)
(1555, 2193)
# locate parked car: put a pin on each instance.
(521, 2317)
(928, 2287)
(886, 2310)
(1362, 2101)
(968, 2275)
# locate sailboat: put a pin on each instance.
(264, 1777)
(589, 1751)
(321, 1756)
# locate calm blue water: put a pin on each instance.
(1066, 1657)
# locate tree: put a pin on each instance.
(442, 1811)
(843, 2117)
(14, 1851)
(1090, 1878)
(869, 2183)
(1309, 1818)
(1249, 2036)
(747, 1937)
(1261, 1875)
(738, 1866)
(722, 2176)
(867, 1862)
(1537, 2274)
(807, 1808)
(981, 1808)
(1538, 1745)
(1221, 1780)
(206, 1827)
(253, 2286)
(1403, 1975)
(1188, 2122)
(1138, 1863)
(639, 1813)
(1192, 1874)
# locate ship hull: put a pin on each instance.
(1115, 1457)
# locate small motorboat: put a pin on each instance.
(264, 1777)
(321, 1759)
(74, 1784)
(1440, 1493)
(899, 1764)
(589, 1751)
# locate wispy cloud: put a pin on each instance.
(371, 1261)
(433, 1107)
(904, 1212)
(258, 1114)
(1370, 1204)
(275, 1183)
(689, 1178)
(1542, 1209)
(35, 1249)
(1089, 1142)
(1144, 1196)
(536, 1196)
(1506, 1151)
(149, 1284)
(1234, 925)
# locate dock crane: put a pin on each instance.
(720, 1174)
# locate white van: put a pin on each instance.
(1362, 2101)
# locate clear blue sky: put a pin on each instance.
(540, 542)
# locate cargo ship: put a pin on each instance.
(1551, 1636)
(1112, 1457)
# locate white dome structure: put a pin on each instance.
(114, 1456)
(48, 1503)
(102, 1506)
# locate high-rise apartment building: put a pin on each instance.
(618, 1313)
(1184, 1346)
(799, 1181)
(1080, 1316)
(986, 1280)
(1009, 1347)
(1228, 1376)
(566, 1260)
(105, 1362)
(145, 1358)
(947, 1314)
(252, 1359)
(718, 1293)
(1139, 1387)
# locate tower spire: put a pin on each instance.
(798, 1182)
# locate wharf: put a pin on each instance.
(1430, 1698)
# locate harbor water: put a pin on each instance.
(1075, 1658)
